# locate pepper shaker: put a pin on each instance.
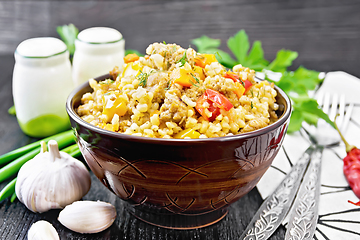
(41, 84)
(97, 51)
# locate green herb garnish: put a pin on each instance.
(182, 60)
(192, 83)
(205, 43)
(143, 77)
(196, 79)
(129, 51)
(252, 93)
(68, 34)
(168, 85)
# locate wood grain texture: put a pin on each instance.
(15, 220)
(325, 33)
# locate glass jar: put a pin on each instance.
(41, 84)
(97, 51)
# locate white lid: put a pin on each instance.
(99, 35)
(41, 47)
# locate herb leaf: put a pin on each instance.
(306, 109)
(204, 43)
(239, 45)
(129, 51)
(296, 120)
(224, 58)
(296, 84)
(68, 34)
(300, 81)
(284, 59)
(255, 59)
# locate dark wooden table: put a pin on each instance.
(15, 218)
(325, 34)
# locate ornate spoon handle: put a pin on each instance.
(274, 209)
(304, 214)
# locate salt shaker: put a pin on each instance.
(42, 82)
(97, 51)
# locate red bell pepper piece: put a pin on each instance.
(246, 84)
(220, 100)
(213, 101)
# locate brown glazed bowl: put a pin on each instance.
(178, 183)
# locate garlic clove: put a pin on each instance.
(88, 216)
(51, 180)
(42, 230)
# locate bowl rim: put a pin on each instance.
(72, 114)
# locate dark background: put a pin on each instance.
(325, 33)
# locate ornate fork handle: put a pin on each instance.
(304, 214)
(274, 209)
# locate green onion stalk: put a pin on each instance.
(66, 137)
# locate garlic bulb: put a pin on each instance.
(51, 179)
(88, 216)
(42, 230)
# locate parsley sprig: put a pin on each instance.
(296, 84)
(68, 34)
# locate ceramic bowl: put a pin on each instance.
(178, 183)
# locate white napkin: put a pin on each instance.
(338, 219)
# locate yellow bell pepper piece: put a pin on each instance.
(114, 104)
(239, 89)
(108, 127)
(200, 72)
(191, 133)
(131, 69)
(132, 57)
(183, 77)
(205, 59)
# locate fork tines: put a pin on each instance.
(338, 106)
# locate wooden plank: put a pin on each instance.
(324, 33)
(15, 220)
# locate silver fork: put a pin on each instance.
(304, 213)
(275, 208)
